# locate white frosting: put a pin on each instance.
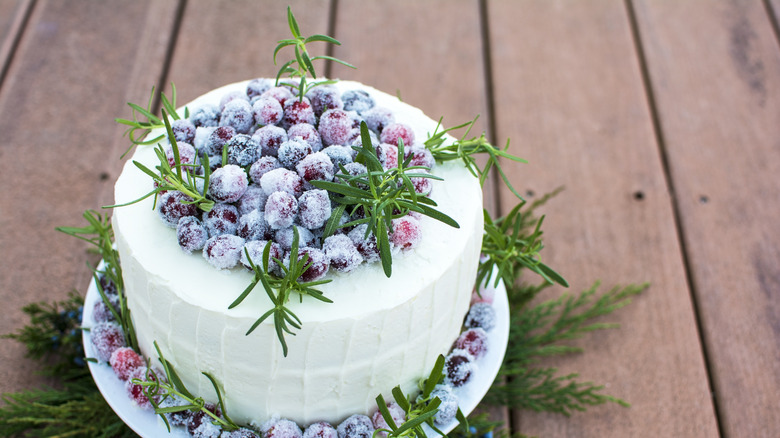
(379, 332)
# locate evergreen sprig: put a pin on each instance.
(379, 196)
(138, 130)
(302, 64)
(279, 289)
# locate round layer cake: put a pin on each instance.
(379, 332)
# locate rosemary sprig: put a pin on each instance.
(180, 177)
(279, 289)
(303, 63)
(465, 150)
(100, 234)
(380, 196)
(138, 130)
(158, 389)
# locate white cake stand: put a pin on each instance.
(148, 424)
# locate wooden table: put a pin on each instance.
(661, 118)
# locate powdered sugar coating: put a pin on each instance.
(281, 94)
(314, 208)
(317, 263)
(308, 133)
(357, 100)
(221, 219)
(228, 183)
(205, 116)
(323, 98)
(267, 111)
(257, 87)
(356, 426)
(183, 130)
(136, 390)
(335, 127)
(217, 140)
(394, 131)
(316, 166)
(255, 249)
(407, 233)
(396, 413)
(473, 340)
(459, 366)
(377, 118)
(292, 152)
(253, 199)
(262, 166)
(281, 208)
(191, 234)
(174, 205)
(341, 251)
(366, 245)
(124, 361)
(231, 96)
(297, 111)
(481, 315)
(252, 226)
(339, 155)
(242, 150)
(281, 180)
(449, 404)
(270, 137)
(280, 428)
(223, 252)
(284, 237)
(238, 114)
(320, 430)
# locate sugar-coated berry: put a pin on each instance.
(284, 237)
(407, 233)
(187, 155)
(135, 390)
(241, 432)
(422, 186)
(421, 156)
(308, 133)
(201, 425)
(280, 428)
(218, 139)
(202, 134)
(297, 111)
(223, 252)
(191, 234)
(242, 150)
(320, 430)
(281, 180)
(292, 152)
(483, 296)
(221, 219)
(262, 166)
(356, 426)
(339, 155)
(356, 169)
(238, 114)
(124, 361)
(174, 205)
(177, 418)
(257, 87)
(366, 246)
(207, 115)
(231, 96)
(314, 208)
(228, 183)
(252, 226)
(281, 94)
(267, 111)
(101, 312)
(335, 127)
(481, 315)
(448, 407)
(183, 130)
(281, 208)
(395, 131)
(342, 253)
(108, 286)
(315, 167)
(391, 155)
(317, 263)
(473, 340)
(324, 98)
(396, 413)
(270, 137)
(357, 100)
(255, 249)
(253, 199)
(377, 118)
(459, 366)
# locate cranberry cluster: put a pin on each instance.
(275, 145)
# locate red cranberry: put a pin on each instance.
(106, 337)
(124, 361)
(396, 131)
(406, 233)
(474, 341)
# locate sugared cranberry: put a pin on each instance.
(297, 111)
(106, 337)
(448, 407)
(421, 156)
(124, 361)
(391, 155)
(252, 226)
(242, 150)
(366, 246)
(223, 252)
(135, 390)
(394, 131)
(281, 180)
(482, 296)
(317, 264)
(218, 139)
(281, 94)
(459, 366)
(377, 118)
(238, 114)
(357, 100)
(320, 430)
(314, 208)
(202, 134)
(108, 286)
(231, 96)
(324, 98)
(183, 130)
(339, 155)
(474, 341)
(255, 249)
(270, 137)
(228, 183)
(267, 111)
(174, 205)
(422, 185)
(101, 311)
(205, 116)
(398, 415)
(285, 237)
(201, 425)
(222, 219)
(356, 426)
(406, 233)
(253, 199)
(342, 253)
(335, 127)
(316, 166)
(292, 152)
(187, 155)
(281, 209)
(308, 133)
(242, 432)
(481, 315)
(191, 234)
(177, 418)
(257, 87)
(262, 166)
(280, 428)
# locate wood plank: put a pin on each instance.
(430, 63)
(569, 91)
(715, 72)
(76, 65)
(12, 19)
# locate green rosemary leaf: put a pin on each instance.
(384, 249)
(293, 23)
(260, 321)
(330, 58)
(382, 406)
(220, 400)
(435, 376)
(401, 399)
(323, 38)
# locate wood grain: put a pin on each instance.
(715, 72)
(569, 90)
(75, 66)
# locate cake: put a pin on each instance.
(378, 333)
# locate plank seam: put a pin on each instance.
(487, 65)
(770, 12)
(678, 225)
(8, 50)
(169, 51)
(329, 48)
